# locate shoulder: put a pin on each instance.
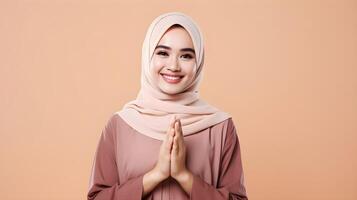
(226, 129)
(228, 125)
(116, 124)
(110, 126)
(230, 132)
(231, 127)
(114, 120)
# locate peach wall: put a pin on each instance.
(285, 70)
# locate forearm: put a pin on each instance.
(186, 181)
(150, 180)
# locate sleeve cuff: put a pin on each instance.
(132, 189)
(202, 190)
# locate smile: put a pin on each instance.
(172, 78)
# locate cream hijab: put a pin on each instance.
(150, 113)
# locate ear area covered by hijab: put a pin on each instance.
(151, 111)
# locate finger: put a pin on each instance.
(175, 147)
(180, 138)
(171, 133)
(169, 143)
(171, 129)
(178, 129)
(169, 138)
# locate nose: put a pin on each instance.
(174, 65)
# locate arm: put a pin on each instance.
(231, 177)
(104, 181)
(150, 181)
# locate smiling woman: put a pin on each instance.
(168, 143)
(173, 62)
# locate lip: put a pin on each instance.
(171, 81)
(175, 75)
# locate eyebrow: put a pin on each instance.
(169, 48)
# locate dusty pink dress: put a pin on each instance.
(123, 156)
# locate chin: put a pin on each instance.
(172, 92)
(171, 89)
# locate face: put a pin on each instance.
(173, 63)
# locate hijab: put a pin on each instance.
(150, 113)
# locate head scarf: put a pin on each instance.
(150, 113)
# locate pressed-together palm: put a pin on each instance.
(172, 155)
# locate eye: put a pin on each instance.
(162, 53)
(187, 56)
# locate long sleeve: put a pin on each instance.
(231, 177)
(104, 181)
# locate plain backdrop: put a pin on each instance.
(285, 70)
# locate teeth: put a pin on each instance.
(172, 77)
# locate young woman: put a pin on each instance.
(168, 143)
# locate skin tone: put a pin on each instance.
(174, 54)
(171, 162)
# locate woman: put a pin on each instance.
(168, 143)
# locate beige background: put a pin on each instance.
(285, 70)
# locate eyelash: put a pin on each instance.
(163, 53)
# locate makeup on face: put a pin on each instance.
(174, 61)
(171, 77)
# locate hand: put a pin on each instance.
(162, 167)
(178, 154)
(178, 161)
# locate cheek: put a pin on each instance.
(156, 65)
(190, 69)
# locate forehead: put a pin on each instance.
(176, 37)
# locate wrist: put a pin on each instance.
(150, 180)
(184, 177)
(157, 175)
